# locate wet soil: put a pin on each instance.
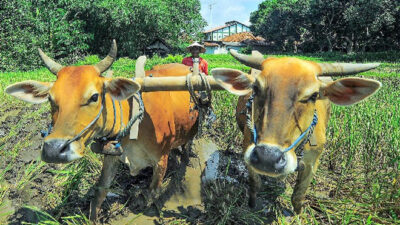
(202, 184)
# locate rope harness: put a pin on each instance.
(202, 101)
(302, 139)
(110, 145)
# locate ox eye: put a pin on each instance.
(94, 98)
(312, 98)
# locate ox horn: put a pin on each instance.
(52, 65)
(251, 61)
(104, 64)
(340, 69)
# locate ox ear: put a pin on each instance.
(348, 91)
(121, 88)
(234, 81)
(30, 91)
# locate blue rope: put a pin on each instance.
(255, 134)
(46, 133)
(312, 125)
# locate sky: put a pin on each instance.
(227, 10)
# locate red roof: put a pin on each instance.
(239, 37)
(210, 44)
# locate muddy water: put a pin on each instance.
(190, 196)
(192, 183)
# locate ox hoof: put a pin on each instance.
(155, 192)
(93, 213)
(252, 202)
(297, 209)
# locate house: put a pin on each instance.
(211, 47)
(231, 27)
(236, 41)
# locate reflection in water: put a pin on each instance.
(190, 197)
(204, 149)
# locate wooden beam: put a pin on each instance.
(139, 73)
(151, 84)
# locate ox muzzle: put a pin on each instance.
(59, 151)
(269, 160)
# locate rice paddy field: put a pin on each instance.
(358, 181)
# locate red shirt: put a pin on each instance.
(203, 65)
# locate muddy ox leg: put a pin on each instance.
(159, 172)
(255, 184)
(304, 177)
(108, 171)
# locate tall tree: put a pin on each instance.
(136, 23)
(69, 28)
(27, 25)
(327, 25)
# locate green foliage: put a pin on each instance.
(51, 25)
(68, 29)
(327, 25)
(135, 24)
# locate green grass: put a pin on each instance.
(358, 181)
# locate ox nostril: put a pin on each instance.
(64, 148)
(281, 162)
(259, 151)
(254, 157)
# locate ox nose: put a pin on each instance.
(268, 158)
(55, 151)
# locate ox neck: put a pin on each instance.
(119, 124)
(113, 118)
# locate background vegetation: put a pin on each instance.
(69, 29)
(358, 181)
(329, 25)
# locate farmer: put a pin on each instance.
(195, 49)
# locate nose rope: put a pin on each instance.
(250, 118)
(307, 132)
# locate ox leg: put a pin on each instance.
(159, 172)
(304, 177)
(255, 184)
(108, 171)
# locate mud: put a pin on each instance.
(202, 185)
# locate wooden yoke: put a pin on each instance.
(139, 74)
(149, 84)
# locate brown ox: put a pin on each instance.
(76, 98)
(286, 93)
